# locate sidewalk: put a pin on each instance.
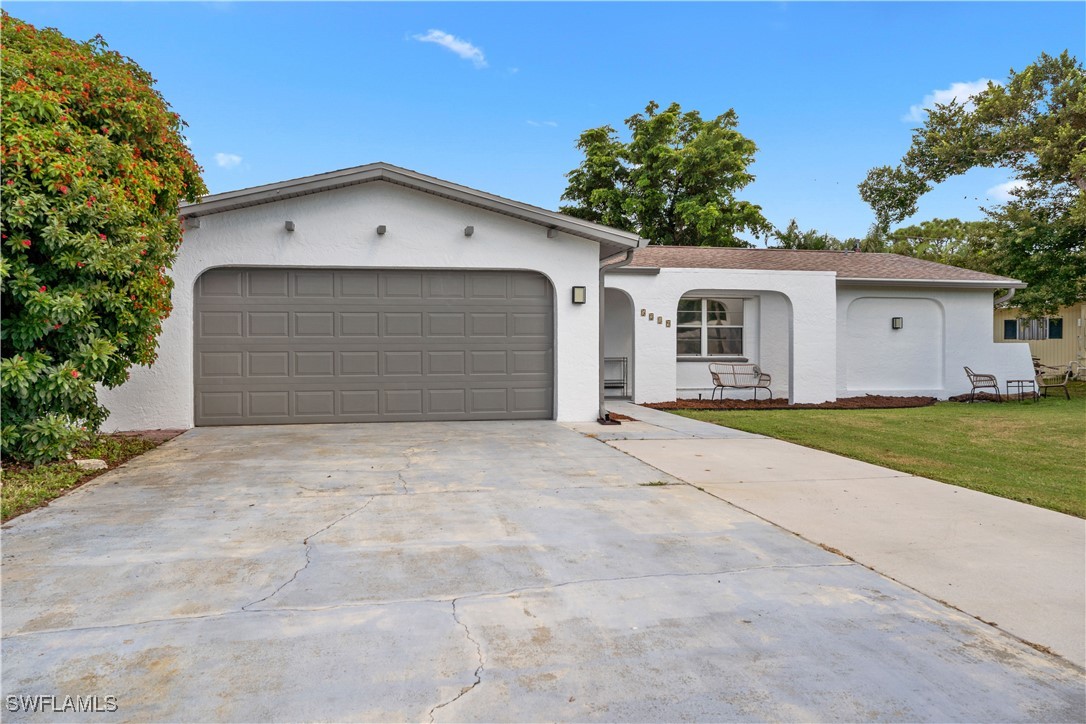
(1013, 565)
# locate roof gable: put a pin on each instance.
(612, 241)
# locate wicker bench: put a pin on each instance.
(739, 376)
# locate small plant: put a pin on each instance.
(655, 484)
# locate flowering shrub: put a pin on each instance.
(92, 168)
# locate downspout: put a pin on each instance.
(1005, 298)
(604, 416)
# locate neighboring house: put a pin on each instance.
(379, 294)
(1057, 340)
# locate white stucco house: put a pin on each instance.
(380, 294)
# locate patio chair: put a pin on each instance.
(981, 381)
(1053, 378)
(739, 376)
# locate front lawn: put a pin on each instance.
(1034, 452)
(23, 488)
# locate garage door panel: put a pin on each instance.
(268, 283)
(277, 346)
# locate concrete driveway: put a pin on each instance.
(469, 571)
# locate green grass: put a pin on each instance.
(23, 488)
(1034, 452)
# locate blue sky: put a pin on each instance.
(494, 95)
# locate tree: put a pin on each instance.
(967, 244)
(793, 238)
(673, 183)
(1035, 126)
(93, 165)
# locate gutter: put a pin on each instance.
(605, 416)
(1006, 297)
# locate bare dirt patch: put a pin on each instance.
(867, 402)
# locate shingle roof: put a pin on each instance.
(847, 264)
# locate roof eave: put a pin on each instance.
(993, 283)
(611, 240)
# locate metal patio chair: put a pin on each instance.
(981, 381)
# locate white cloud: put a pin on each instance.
(461, 47)
(1003, 191)
(227, 160)
(960, 92)
(548, 124)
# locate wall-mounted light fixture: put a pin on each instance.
(580, 295)
(469, 230)
(896, 323)
(381, 230)
(289, 226)
(552, 233)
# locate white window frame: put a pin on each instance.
(704, 326)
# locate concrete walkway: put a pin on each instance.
(1013, 565)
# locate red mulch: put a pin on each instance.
(867, 402)
(980, 397)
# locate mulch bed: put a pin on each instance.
(867, 402)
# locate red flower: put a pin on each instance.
(63, 189)
(80, 264)
(75, 373)
(102, 237)
(143, 252)
(26, 242)
(10, 182)
(41, 288)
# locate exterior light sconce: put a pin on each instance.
(469, 230)
(552, 233)
(652, 316)
(289, 226)
(896, 323)
(580, 295)
(381, 230)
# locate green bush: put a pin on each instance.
(93, 165)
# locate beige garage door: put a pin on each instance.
(275, 346)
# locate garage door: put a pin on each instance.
(276, 346)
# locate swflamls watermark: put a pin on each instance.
(53, 704)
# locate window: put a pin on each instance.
(709, 327)
(1033, 329)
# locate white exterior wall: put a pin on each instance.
(337, 228)
(943, 330)
(800, 306)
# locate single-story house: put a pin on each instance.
(1056, 340)
(377, 293)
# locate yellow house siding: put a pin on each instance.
(1052, 352)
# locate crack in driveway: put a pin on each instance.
(308, 553)
(399, 601)
(478, 669)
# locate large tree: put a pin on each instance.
(674, 182)
(1033, 125)
(93, 166)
